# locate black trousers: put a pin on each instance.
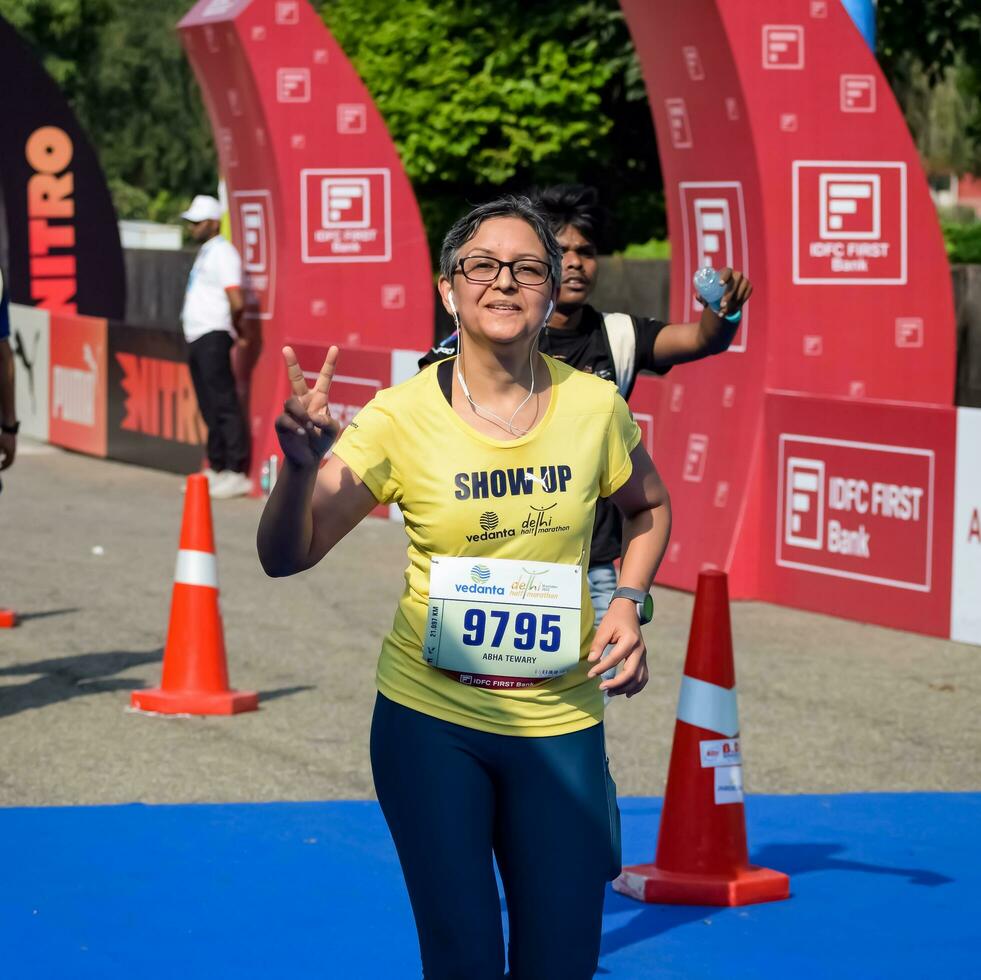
(211, 372)
(454, 798)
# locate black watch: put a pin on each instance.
(10, 430)
(644, 601)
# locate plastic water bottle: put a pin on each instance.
(710, 287)
(268, 473)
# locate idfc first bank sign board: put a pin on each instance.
(345, 215)
(856, 510)
(849, 223)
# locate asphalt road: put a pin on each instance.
(87, 552)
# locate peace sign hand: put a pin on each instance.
(306, 429)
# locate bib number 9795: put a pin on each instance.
(526, 629)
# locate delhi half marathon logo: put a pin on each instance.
(538, 523)
(480, 574)
(531, 585)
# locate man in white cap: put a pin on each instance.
(212, 313)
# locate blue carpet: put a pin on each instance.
(883, 886)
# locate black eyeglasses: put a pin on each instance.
(482, 268)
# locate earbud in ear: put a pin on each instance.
(550, 310)
(449, 299)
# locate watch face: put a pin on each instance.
(648, 609)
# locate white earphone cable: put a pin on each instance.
(486, 413)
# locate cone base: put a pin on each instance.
(8, 619)
(648, 883)
(194, 702)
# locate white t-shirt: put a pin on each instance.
(218, 267)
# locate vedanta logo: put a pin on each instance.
(480, 575)
(489, 535)
(480, 589)
(160, 399)
(488, 520)
(54, 282)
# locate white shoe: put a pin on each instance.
(230, 484)
(210, 475)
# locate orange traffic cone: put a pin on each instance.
(195, 675)
(8, 619)
(701, 850)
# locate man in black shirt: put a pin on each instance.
(614, 346)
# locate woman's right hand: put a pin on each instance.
(306, 429)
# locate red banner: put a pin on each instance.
(785, 155)
(77, 383)
(858, 509)
(61, 247)
(321, 209)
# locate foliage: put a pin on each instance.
(935, 33)
(963, 241)
(930, 50)
(497, 95)
(134, 202)
(130, 201)
(480, 97)
(656, 248)
(122, 68)
(944, 117)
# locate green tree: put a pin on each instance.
(930, 50)
(936, 33)
(123, 70)
(943, 117)
(498, 95)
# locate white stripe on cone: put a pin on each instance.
(708, 706)
(196, 568)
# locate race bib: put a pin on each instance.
(500, 623)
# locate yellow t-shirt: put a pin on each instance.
(464, 494)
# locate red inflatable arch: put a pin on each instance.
(321, 209)
(815, 460)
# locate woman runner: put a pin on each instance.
(487, 736)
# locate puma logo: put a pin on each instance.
(20, 352)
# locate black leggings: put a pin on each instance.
(544, 807)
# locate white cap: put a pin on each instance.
(203, 208)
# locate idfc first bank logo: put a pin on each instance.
(713, 228)
(856, 510)
(345, 215)
(257, 236)
(849, 223)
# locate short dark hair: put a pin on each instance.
(573, 204)
(509, 206)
